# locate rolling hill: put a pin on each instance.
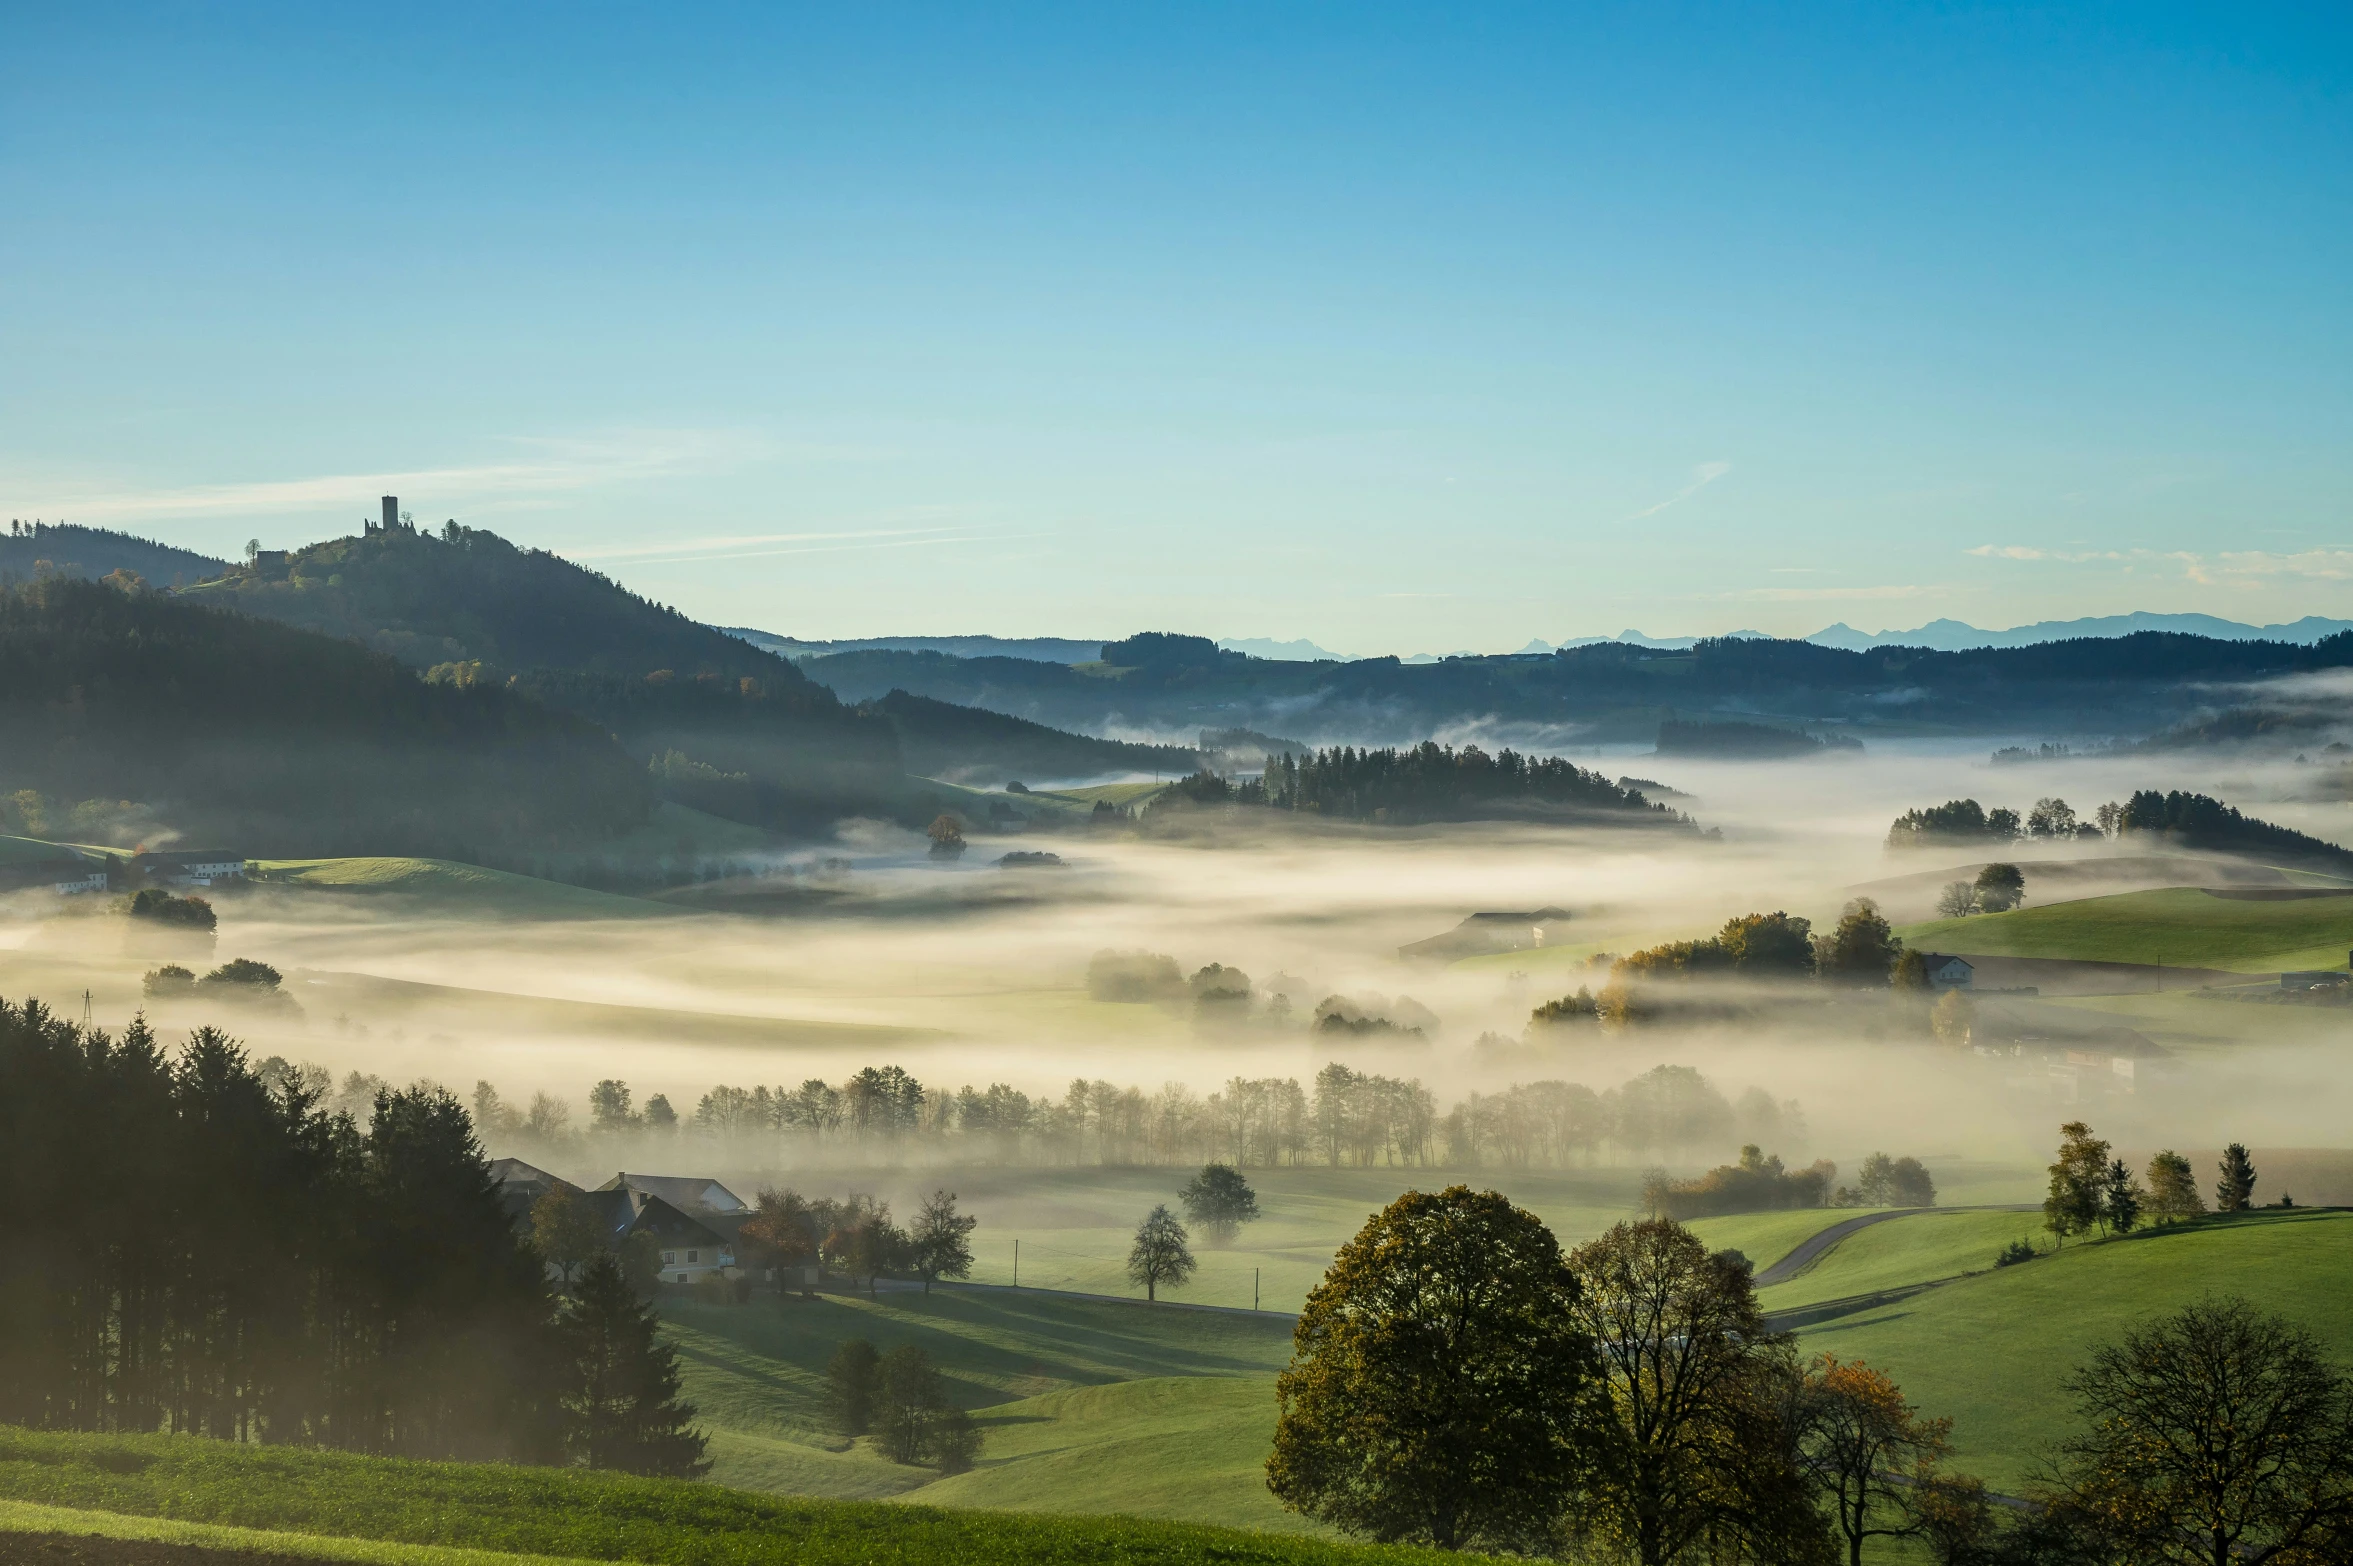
(2253, 930)
(64, 549)
(281, 741)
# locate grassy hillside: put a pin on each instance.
(605, 1517)
(940, 739)
(1991, 1350)
(2179, 927)
(456, 890)
(27, 1517)
(1922, 1247)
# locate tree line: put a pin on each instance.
(248, 1264)
(1342, 1118)
(1425, 782)
(2190, 820)
(1458, 1380)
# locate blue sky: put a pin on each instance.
(1400, 329)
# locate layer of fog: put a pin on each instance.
(965, 973)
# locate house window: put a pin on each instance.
(669, 1258)
(694, 1256)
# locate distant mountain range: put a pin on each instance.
(1955, 636)
(1036, 649)
(1936, 635)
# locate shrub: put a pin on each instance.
(2015, 1252)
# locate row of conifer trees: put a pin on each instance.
(201, 1249)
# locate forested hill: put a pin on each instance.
(270, 740)
(35, 549)
(464, 595)
(1614, 692)
(968, 745)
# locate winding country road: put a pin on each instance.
(1797, 1261)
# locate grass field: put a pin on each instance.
(1764, 1238)
(1923, 1247)
(458, 890)
(2179, 927)
(28, 1517)
(575, 1514)
(1992, 1350)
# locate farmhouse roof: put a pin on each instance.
(688, 1192)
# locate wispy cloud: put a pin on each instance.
(542, 467)
(1701, 477)
(2230, 567)
(1801, 595)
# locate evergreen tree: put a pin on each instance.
(2120, 1202)
(2234, 1192)
(621, 1382)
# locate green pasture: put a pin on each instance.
(1764, 1238)
(28, 1517)
(457, 889)
(575, 1514)
(1920, 1247)
(1992, 1350)
(2179, 927)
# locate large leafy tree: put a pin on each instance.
(1701, 1452)
(621, 1382)
(1440, 1388)
(940, 1244)
(1220, 1201)
(2216, 1436)
(566, 1230)
(2077, 1199)
(1861, 950)
(2173, 1189)
(1161, 1254)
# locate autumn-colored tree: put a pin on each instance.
(1700, 1451)
(1954, 1019)
(947, 837)
(2215, 1436)
(781, 1232)
(1870, 1454)
(1160, 1254)
(1440, 1389)
(2079, 1182)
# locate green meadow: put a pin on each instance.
(566, 1513)
(455, 889)
(2178, 927)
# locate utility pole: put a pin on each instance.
(1254, 1288)
(1017, 1264)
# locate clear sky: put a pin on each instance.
(1400, 329)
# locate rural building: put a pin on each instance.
(66, 877)
(1483, 934)
(1945, 972)
(691, 1241)
(690, 1192)
(200, 867)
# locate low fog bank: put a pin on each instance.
(967, 975)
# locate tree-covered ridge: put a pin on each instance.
(2095, 685)
(2186, 819)
(465, 594)
(939, 738)
(266, 738)
(1428, 782)
(30, 549)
